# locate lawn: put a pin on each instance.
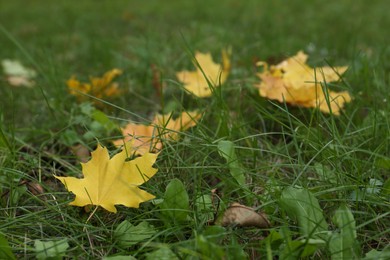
(246, 176)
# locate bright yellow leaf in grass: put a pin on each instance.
(169, 128)
(195, 81)
(109, 182)
(147, 138)
(98, 87)
(294, 82)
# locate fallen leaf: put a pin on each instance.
(97, 87)
(170, 127)
(108, 182)
(35, 188)
(195, 81)
(243, 216)
(144, 137)
(81, 152)
(18, 75)
(298, 84)
(147, 138)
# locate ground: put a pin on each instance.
(296, 166)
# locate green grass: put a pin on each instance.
(278, 146)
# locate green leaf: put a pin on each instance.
(127, 235)
(5, 249)
(377, 255)
(69, 137)
(344, 245)
(176, 203)
(299, 248)
(303, 206)
(204, 208)
(104, 120)
(274, 239)
(163, 253)
(226, 150)
(86, 108)
(215, 233)
(208, 248)
(51, 249)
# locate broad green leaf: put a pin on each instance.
(214, 233)
(204, 208)
(344, 245)
(297, 249)
(104, 120)
(51, 249)
(377, 255)
(176, 203)
(304, 207)
(98, 116)
(69, 137)
(127, 235)
(209, 249)
(5, 249)
(226, 150)
(274, 239)
(163, 253)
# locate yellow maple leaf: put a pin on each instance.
(98, 87)
(170, 127)
(109, 182)
(294, 82)
(144, 138)
(147, 138)
(195, 81)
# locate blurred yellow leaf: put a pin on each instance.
(109, 182)
(195, 81)
(17, 75)
(147, 138)
(170, 127)
(294, 82)
(97, 87)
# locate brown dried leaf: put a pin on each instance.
(81, 152)
(35, 188)
(243, 216)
